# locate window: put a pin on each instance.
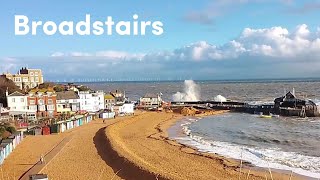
(32, 102)
(50, 107)
(22, 100)
(17, 79)
(31, 73)
(36, 73)
(37, 79)
(32, 79)
(33, 108)
(13, 100)
(42, 107)
(40, 101)
(25, 79)
(50, 101)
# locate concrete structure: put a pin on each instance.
(26, 78)
(150, 101)
(91, 101)
(68, 101)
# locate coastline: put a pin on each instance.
(168, 159)
(176, 131)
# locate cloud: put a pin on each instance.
(266, 53)
(274, 42)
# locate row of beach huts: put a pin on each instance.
(62, 126)
(9, 144)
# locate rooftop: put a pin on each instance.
(150, 95)
(67, 95)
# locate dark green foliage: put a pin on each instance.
(4, 85)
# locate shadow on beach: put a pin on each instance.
(120, 165)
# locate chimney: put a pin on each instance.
(7, 92)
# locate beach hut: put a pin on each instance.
(7, 149)
(3, 151)
(54, 128)
(13, 138)
(1, 155)
(19, 137)
(75, 123)
(45, 130)
(80, 121)
(63, 127)
(10, 144)
(37, 131)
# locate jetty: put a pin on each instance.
(287, 105)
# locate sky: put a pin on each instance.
(202, 40)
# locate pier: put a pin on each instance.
(230, 105)
(287, 105)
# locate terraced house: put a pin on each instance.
(43, 101)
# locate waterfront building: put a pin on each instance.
(150, 101)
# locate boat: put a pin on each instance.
(265, 116)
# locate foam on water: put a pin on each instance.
(266, 158)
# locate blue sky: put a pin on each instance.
(208, 35)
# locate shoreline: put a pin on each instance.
(183, 159)
(231, 162)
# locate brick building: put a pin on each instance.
(44, 102)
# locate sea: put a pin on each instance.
(281, 143)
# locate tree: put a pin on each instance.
(58, 88)
(84, 88)
(4, 85)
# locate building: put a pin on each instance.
(26, 78)
(43, 101)
(120, 97)
(290, 105)
(91, 101)
(150, 101)
(109, 101)
(67, 101)
(126, 109)
(19, 107)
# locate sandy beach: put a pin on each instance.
(143, 140)
(133, 147)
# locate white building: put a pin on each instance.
(91, 101)
(126, 109)
(17, 101)
(67, 101)
(151, 101)
(18, 106)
